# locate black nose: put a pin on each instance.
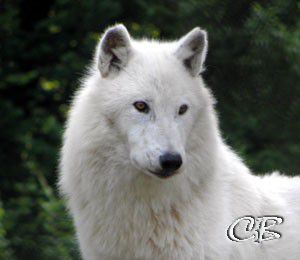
(170, 161)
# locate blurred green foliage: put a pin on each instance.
(253, 68)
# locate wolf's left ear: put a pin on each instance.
(192, 49)
(113, 50)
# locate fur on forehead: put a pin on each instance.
(153, 69)
(158, 64)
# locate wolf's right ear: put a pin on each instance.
(114, 50)
(192, 49)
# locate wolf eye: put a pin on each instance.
(141, 106)
(183, 108)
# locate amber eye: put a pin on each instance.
(141, 106)
(183, 108)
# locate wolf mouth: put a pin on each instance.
(163, 174)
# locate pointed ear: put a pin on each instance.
(192, 49)
(113, 50)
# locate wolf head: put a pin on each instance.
(152, 96)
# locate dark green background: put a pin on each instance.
(253, 67)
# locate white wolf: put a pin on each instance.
(144, 169)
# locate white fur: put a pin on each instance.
(121, 210)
